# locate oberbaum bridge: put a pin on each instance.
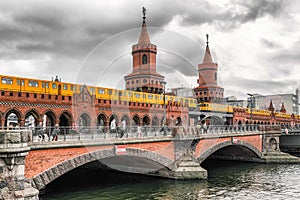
(174, 148)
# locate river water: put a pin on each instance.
(227, 180)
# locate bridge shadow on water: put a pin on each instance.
(90, 183)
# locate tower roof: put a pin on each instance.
(207, 56)
(144, 36)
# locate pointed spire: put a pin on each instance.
(207, 56)
(144, 36)
(282, 109)
(271, 107)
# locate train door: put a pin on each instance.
(59, 89)
(45, 86)
(21, 84)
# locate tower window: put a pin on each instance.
(144, 59)
(216, 76)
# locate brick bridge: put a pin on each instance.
(28, 166)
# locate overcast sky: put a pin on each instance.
(255, 43)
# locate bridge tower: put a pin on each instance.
(208, 89)
(144, 76)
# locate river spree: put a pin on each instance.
(227, 181)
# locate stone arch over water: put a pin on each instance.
(239, 144)
(44, 178)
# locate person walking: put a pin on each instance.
(139, 131)
(55, 133)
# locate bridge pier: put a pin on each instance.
(271, 152)
(13, 150)
(186, 166)
(188, 169)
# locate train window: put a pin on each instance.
(110, 92)
(137, 95)
(191, 101)
(75, 87)
(101, 91)
(54, 86)
(150, 96)
(161, 98)
(144, 96)
(92, 90)
(18, 82)
(8, 81)
(130, 94)
(32, 83)
(65, 87)
(71, 87)
(81, 88)
(120, 94)
(186, 101)
(156, 97)
(124, 94)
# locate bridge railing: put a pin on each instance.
(67, 133)
(219, 129)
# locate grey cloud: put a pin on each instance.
(270, 44)
(262, 86)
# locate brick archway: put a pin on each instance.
(65, 119)
(15, 111)
(44, 178)
(36, 115)
(51, 117)
(204, 155)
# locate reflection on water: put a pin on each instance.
(229, 181)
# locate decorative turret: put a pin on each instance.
(144, 76)
(208, 89)
(271, 107)
(282, 109)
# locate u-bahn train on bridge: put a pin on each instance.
(56, 87)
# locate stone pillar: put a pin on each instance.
(13, 150)
(186, 166)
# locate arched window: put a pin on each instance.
(144, 59)
(216, 76)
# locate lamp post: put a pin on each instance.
(165, 114)
(251, 101)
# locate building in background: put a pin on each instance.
(290, 102)
(233, 101)
(183, 92)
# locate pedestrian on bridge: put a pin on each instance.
(204, 127)
(139, 131)
(55, 133)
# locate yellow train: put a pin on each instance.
(258, 112)
(210, 107)
(56, 87)
(283, 115)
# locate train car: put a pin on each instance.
(282, 115)
(215, 107)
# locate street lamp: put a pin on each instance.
(165, 114)
(251, 99)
